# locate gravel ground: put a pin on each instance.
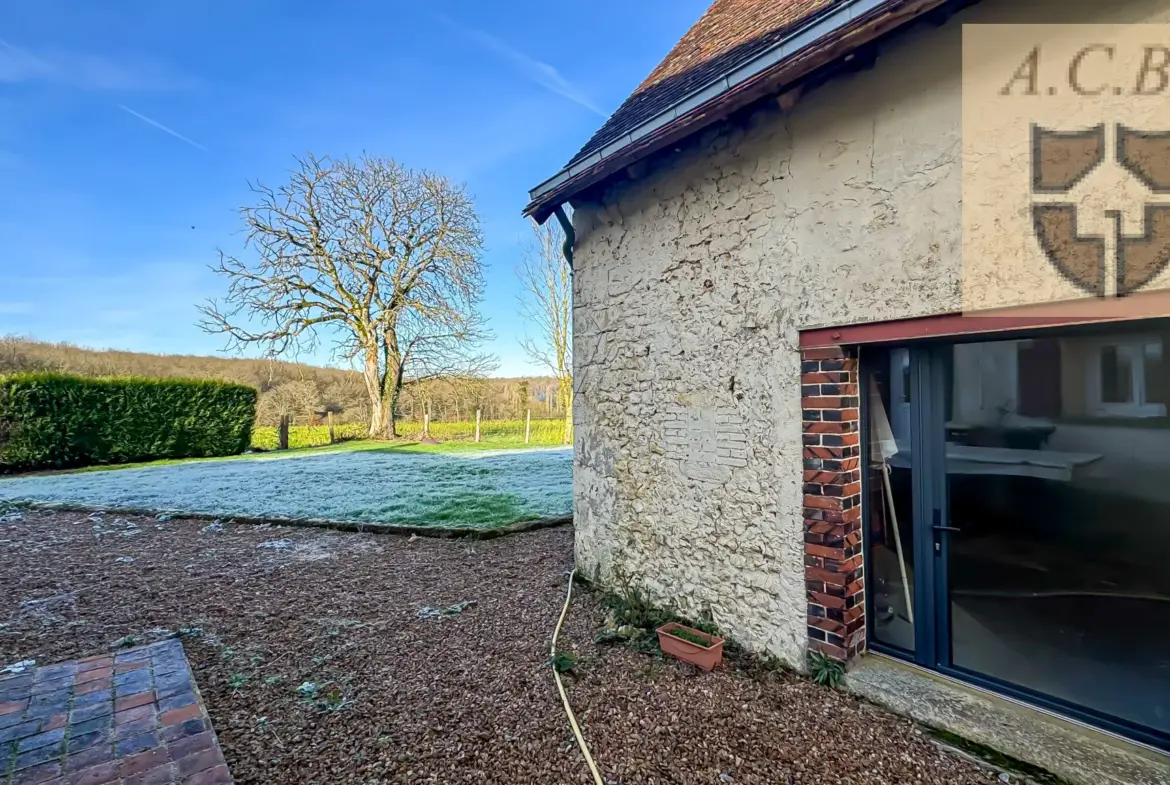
(400, 697)
(485, 488)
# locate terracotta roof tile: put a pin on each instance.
(728, 34)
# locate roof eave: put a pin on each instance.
(827, 37)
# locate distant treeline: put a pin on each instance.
(303, 391)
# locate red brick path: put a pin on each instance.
(134, 718)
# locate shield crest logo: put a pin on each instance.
(1066, 165)
(1061, 160)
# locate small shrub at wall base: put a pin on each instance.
(57, 421)
(825, 670)
(629, 609)
(631, 606)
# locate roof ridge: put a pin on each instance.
(728, 33)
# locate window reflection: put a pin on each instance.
(1058, 469)
(891, 523)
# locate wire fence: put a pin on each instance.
(266, 437)
(513, 432)
(540, 432)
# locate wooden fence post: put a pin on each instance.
(528, 426)
(282, 432)
(477, 425)
(329, 415)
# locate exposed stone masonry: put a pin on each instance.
(692, 284)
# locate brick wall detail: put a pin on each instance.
(834, 576)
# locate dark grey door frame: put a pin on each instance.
(928, 367)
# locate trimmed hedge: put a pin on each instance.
(58, 421)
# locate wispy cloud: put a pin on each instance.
(18, 65)
(535, 70)
(162, 127)
(86, 71)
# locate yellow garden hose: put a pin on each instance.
(561, 687)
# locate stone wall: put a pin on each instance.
(691, 286)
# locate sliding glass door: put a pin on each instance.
(892, 560)
(1018, 517)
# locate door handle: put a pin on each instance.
(936, 519)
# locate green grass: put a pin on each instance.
(352, 445)
(486, 509)
(342, 447)
(542, 431)
(445, 447)
(495, 432)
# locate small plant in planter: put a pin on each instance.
(690, 645)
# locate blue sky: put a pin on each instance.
(129, 130)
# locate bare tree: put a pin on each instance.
(297, 397)
(547, 303)
(383, 259)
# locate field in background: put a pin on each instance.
(543, 433)
(264, 436)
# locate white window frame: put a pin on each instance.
(1139, 349)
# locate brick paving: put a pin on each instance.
(133, 718)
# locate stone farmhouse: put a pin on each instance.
(790, 420)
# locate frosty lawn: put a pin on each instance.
(475, 489)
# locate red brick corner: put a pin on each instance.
(833, 569)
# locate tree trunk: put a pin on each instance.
(391, 424)
(371, 374)
(381, 416)
(392, 382)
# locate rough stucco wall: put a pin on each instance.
(690, 287)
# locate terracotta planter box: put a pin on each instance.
(705, 657)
